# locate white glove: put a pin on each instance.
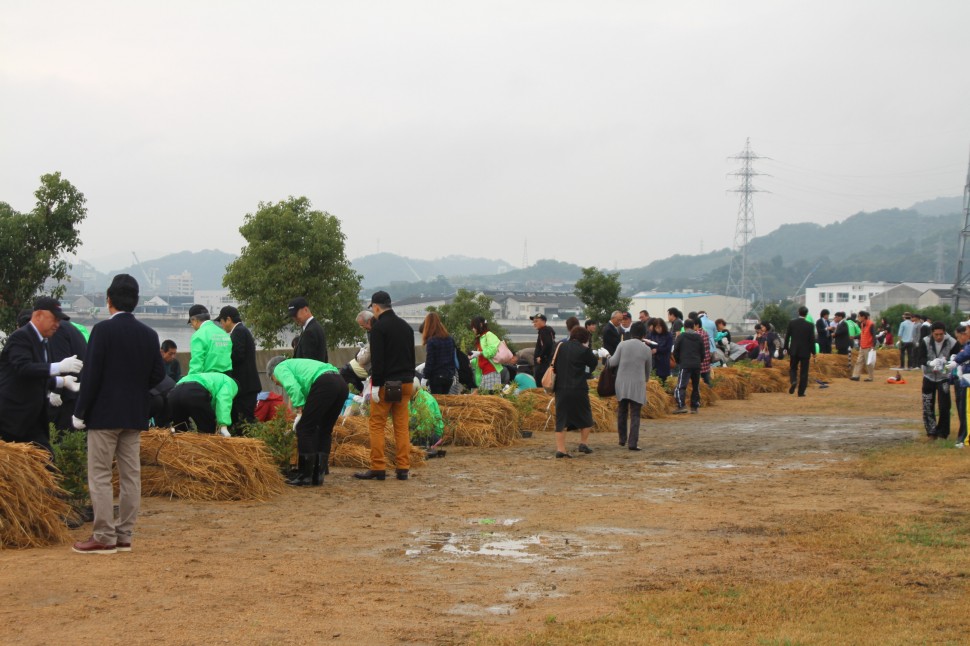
(474, 355)
(375, 395)
(78, 423)
(602, 353)
(71, 383)
(55, 399)
(966, 379)
(951, 365)
(360, 354)
(296, 420)
(223, 431)
(66, 366)
(358, 399)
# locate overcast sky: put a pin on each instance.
(597, 133)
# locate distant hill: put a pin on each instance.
(206, 266)
(385, 268)
(939, 206)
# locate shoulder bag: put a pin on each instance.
(606, 386)
(503, 355)
(549, 378)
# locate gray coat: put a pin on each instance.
(633, 360)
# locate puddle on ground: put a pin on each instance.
(502, 547)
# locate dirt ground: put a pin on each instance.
(478, 544)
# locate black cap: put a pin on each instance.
(381, 298)
(538, 316)
(198, 311)
(229, 312)
(51, 305)
(296, 305)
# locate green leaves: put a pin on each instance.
(32, 244)
(600, 294)
(457, 316)
(292, 251)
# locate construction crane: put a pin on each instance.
(150, 278)
(807, 276)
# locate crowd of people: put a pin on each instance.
(116, 380)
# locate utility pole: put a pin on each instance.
(744, 280)
(960, 285)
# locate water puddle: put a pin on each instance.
(494, 546)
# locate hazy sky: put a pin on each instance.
(596, 132)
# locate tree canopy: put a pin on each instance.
(600, 294)
(457, 316)
(294, 251)
(32, 245)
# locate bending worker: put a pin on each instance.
(317, 392)
(206, 397)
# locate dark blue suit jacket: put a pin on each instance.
(24, 382)
(244, 369)
(121, 365)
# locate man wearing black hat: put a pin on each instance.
(392, 364)
(244, 369)
(27, 374)
(545, 345)
(210, 346)
(312, 342)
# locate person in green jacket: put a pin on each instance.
(317, 392)
(488, 374)
(206, 398)
(210, 347)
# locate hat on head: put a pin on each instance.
(296, 305)
(627, 315)
(539, 316)
(381, 298)
(198, 311)
(51, 305)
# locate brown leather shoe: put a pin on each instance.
(92, 546)
(370, 474)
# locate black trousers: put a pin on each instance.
(905, 354)
(60, 416)
(314, 432)
(243, 409)
(192, 401)
(798, 372)
(934, 391)
(440, 385)
(694, 376)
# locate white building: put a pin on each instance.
(874, 297)
(180, 285)
(730, 308)
(214, 299)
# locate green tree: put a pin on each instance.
(457, 316)
(600, 294)
(294, 251)
(894, 315)
(32, 245)
(779, 315)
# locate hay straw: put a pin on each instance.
(659, 402)
(729, 383)
(479, 420)
(351, 444)
(32, 505)
(195, 466)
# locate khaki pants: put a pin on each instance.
(402, 433)
(104, 447)
(863, 360)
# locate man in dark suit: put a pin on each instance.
(122, 364)
(612, 334)
(244, 369)
(27, 374)
(312, 342)
(800, 342)
(823, 332)
(67, 341)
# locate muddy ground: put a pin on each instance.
(481, 542)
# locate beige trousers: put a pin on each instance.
(863, 362)
(105, 446)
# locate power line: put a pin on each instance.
(743, 279)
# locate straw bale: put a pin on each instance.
(32, 505)
(604, 413)
(729, 383)
(195, 466)
(351, 444)
(479, 420)
(659, 402)
(762, 380)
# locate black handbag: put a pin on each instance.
(606, 386)
(392, 391)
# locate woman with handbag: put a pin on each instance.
(573, 412)
(487, 374)
(633, 360)
(440, 363)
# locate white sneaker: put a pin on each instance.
(223, 432)
(958, 445)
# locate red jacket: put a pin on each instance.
(868, 337)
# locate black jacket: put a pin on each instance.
(24, 382)
(121, 365)
(67, 342)
(244, 369)
(572, 359)
(611, 337)
(841, 336)
(800, 338)
(313, 343)
(545, 345)
(689, 350)
(391, 349)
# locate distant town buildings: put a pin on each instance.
(181, 284)
(874, 297)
